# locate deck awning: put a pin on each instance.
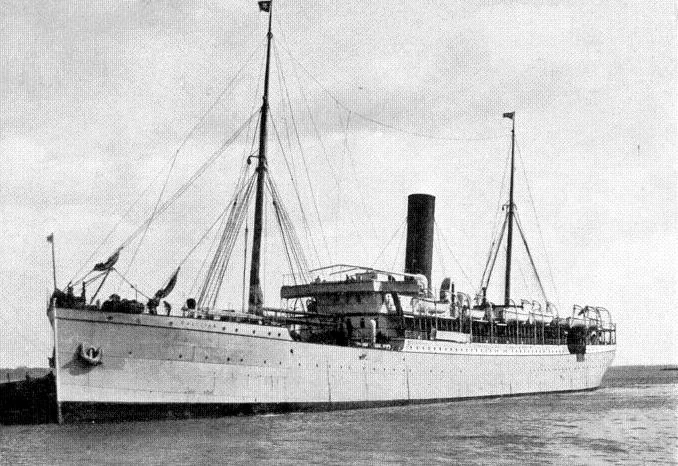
(368, 286)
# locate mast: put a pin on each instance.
(256, 296)
(50, 239)
(509, 235)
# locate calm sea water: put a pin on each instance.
(631, 419)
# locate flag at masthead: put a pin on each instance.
(256, 297)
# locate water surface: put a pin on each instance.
(631, 419)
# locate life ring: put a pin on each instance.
(90, 354)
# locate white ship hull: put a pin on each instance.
(158, 366)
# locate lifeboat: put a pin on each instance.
(540, 316)
(518, 314)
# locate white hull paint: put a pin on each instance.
(172, 360)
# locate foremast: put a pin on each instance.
(256, 295)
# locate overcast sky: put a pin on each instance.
(96, 97)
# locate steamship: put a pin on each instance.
(349, 336)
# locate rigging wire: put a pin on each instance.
(347, 150)
(381, 123)
(440, 259)
(198, 274)
(495, 241)
(303, 158)
(122, 277)
(440, 234)
(389, 242)
(296, 190)
(536, 217)
(293, 249)
(241, 179)
(496, 221)
(155, 208)
(399, 248)
(346, 146)
(197, 174)
(215, 273)
(492, 258)
(324, 149)
(291, 168)
(529, 255)
(115, 227)
(179, 192)
(181, 146)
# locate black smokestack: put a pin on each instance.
(420, 223)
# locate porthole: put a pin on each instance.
(292, 350)
(228, 359)
(236, 330)
(180, 356)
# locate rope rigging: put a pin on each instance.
(291, 241)
(215, 272)
(184, 141)
(378, 122)
(301, 150)
(235, 214)
(440, 235)
(534, 268)
(296, 191)
(388, 243)
(316, 130)
(492, 257)
(164, 206)
(536, 218)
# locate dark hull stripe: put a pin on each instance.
(74, 412)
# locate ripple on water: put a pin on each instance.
(628, 423)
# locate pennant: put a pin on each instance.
(163, 292)
(265, 5)
(509, 115)
(50, 238)
(108, 265)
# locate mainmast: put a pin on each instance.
(256, 296)
(509, 235)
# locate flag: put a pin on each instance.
(163, 292)
(265, 5)
(110, 262)
(509, 115)
(50, 238)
